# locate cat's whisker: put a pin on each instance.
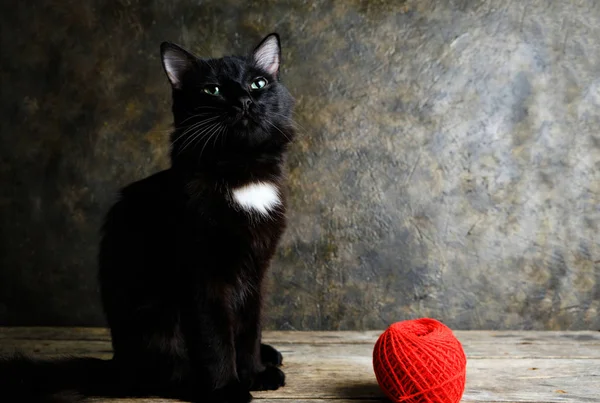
(292, 122)
(195, 116)
(196, 135)
(191, 139)
(279, 130)
(290, 119)
(191, 126)
(224, 136)
(198, 126)
(216, 137)
(208, 119)
(206, 107)
(220, 133)
(206, 142)
(195, 126)
(173, 127)
(203, 134)
(196, 130)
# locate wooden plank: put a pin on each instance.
(261, 400)
(487, 379)
(297, 337)
(533, 380)
(54, 333)
(267, 400)
(56, 347)
(519, 367)
(465, 336)
(482, 348)
(495, 380)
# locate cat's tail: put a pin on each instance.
(65, 380)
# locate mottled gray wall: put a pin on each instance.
(448, 162)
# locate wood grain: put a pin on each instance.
(316, 337)
(337, 366)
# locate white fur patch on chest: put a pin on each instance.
(260, 197)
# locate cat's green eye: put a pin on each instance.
(212, 90)
(258, 83)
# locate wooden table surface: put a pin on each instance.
(336, 367)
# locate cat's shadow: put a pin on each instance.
(361, 390)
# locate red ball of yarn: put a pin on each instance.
(420, 361)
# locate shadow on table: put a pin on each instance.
(361, 390)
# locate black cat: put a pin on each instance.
(184, 252)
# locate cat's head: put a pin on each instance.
(234, 102)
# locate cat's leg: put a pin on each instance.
(270, 356)
(208, 334)
(251, 367)
(150, 352)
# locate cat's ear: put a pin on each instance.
(176, 62)
(267, 55)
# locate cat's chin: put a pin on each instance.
(244, 120)
(244, 124)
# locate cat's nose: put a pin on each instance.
(246, 102)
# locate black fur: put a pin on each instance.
(181, 265)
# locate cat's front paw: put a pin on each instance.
(270, 356)
(272, 378)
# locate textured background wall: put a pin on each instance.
(448, 163)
